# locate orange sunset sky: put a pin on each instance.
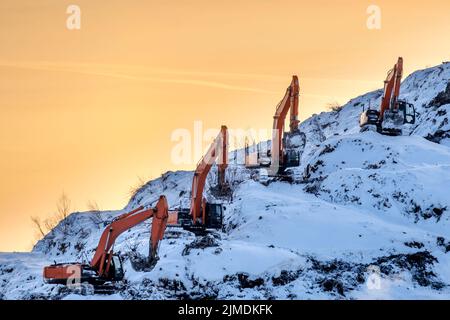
(89, 111)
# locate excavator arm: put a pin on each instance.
(398, 82)
(294, 97)
(391, 88)
(103, 254)
(217, 150)
(289, 102)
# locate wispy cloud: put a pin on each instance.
(161, 75)
(94, 70)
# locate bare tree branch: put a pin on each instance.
(38, 226)
(134, 189)
(93, 206)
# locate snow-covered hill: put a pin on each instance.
(367, 217)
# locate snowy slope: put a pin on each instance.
(392, 175)
(364, 205)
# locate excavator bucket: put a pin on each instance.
(392, 123)
(159, 224)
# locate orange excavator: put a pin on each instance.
(106, 266)
(281, 156)
(393, 113)
(202, 214)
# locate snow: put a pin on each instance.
(21, 275)
(406, 175)
(398, 288)
(360, 202)
(73, 296)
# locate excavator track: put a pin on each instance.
(106, 289)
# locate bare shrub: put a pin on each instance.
(63, 209)
(135, 188)
(39, 227)
(334, 106)
(94, 208)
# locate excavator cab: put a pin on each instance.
(214, 215)
(409, 112)
(213, 218)
(114, 272)
(293, 142)
(116, 268)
